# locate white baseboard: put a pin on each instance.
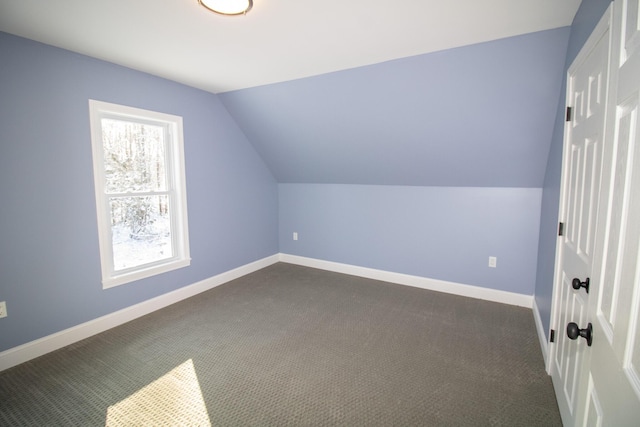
(15, 356)
(470, 291)
(39, 347)
(544, 345)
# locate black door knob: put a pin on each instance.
(577, 284)
(573, 332)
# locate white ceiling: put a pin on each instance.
(278, 40)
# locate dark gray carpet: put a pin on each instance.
(294, 346)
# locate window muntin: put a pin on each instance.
(140, 192)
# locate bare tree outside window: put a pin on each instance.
(134, 165)
(140, 192)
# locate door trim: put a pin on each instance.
(601, 28)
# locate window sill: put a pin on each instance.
(110, 282)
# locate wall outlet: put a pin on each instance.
(493, 262)
(295, 235)
(3, 309)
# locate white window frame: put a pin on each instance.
(176, 184)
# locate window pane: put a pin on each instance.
(140, 230)
(134, 157)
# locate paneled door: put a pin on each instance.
(584, 139)
(610, 387)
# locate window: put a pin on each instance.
(138, 166)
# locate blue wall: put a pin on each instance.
(430, 164)
(586, 18)
(444, 233)
(474, 116)
(49, 258)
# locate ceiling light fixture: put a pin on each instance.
(228, 7)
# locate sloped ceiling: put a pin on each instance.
(479, 115)
(411, 92)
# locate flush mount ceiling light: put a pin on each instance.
(228, 7)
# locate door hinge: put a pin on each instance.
(569, 114)
(561, 229)
(552, 335)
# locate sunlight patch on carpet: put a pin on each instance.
(173, 399)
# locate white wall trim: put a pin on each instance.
(15, 356)
(31, 350)
(544, 345)
(470, 291)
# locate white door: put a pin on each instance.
(584, 136)
(611, 385)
